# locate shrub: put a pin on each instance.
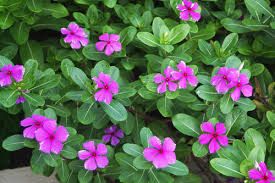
(141, 91)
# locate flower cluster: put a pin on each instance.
(261, 174)
(49, 136)
(162, 155)
(107, 86)
(76, 37)
(176, 79)
(189, 10)
(9, 73)
(230, 78)
(214, 135)
(113, 134)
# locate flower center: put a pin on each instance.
(167, 79)
(93, 154)
(9, 73)
(106, 87)
(224, 77)
(37, 124)
(239, 85)
(265, 177)
(160, 151)
(72, 33)
(185, 74)
(108, 42)
(215, 135)
(51, 137)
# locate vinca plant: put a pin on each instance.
(141, 91)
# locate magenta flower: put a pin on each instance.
(75, 35)
(32, 124)
(9, 72)
(113, 134)
(95, 156)
(109, 42)
(241, 86)
(51, 137)
(20, 100)
(188, 9)
(215, 137)
(162, 155)
(184, 75)
(223, 79)
(107, 86)
(261, 174)
(166, 80)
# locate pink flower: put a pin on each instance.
(32, 124)
(9, 72)
(215, 137)
(188, 9)
(75, 35)
(20, 100)
(162, 155)
(241, 86)
(223, 78)
(184, 75)
(107, 86)
(109, 42)
(261, 174)
(51, 137)
(113, 133)
(95, 156)
(166, 80)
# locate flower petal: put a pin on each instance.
(170, 157)
(160, 161)
(214, 146)
(182, 83)
(90, 164)
(18, 73)
(247, 90)
(150, 153)
(49, 126)
(27, 122)
(29, 132)
(45, 146)
(119, 133)
(114, 141)
(100, 45)
(168, 144)
(106, 138)
(61, 134)
(109, 50)
(172, 86)
(41, 135)
(83, 154)
(254, 174)
(104, 37)
(205, 138)
(101, 161)
(90, 146)
(223, 140)
(116, 46)
(155, 142)
(207, 127)
(162, 88)
(158, 78)
(114, 37)
(56, 147)
(193, 80)
(184, 15)
(235, 95)
(220, 128)
(195, 15)
(101, 149)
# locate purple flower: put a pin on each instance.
(20, 100)
(9, 72)
(162, 155)
(166, 80)
(188, 9)
(107, 86)
(32, 124)
(95, 156)
(215, 137)
(113, 134)
(75, 35)
(51, 137)
(241, 86)
(184, 75)
(223, 78)
(109, 42)
(261, 174)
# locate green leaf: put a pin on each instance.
(145, 134)
(128, 125)
(13, 143)
(141, 163)
(234, 26)
(68, 152)
(199, 150)
(115, 110)
(178, 33)
(165, 106)
(178, 169)
(51, 159)
(253, 138)
(91, 53)
(257, 154)
(159, 177)
(57, 10)
(132, 149)
(66, 67)
(226, 167)
(4, 61)
(233, 120)
(8, 97)
(148, 39)
(159, 27)
(126, 92)
(50, 113)
(207, 93)
(186, 124)
(31, 50)
(272, 134)
(34, 99)
(81, 18)
(110, 3)
(6, 20)
(20, 32)
(85, 176)
(9, 51)
(86, 113)
(80, 78)
(226, 104)
(246, 104)
(62, 171)
(271, 118)
(258, 8)
(127, 35)
(233, 62)
(230, 42)
(35, 5)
